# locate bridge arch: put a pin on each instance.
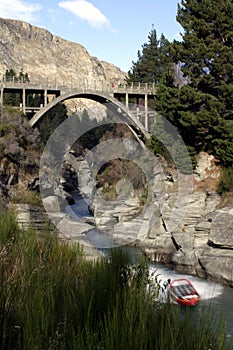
(105, 99)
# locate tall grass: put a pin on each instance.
(52, 298)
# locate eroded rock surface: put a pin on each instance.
(45, 56)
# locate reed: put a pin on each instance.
(52, 298)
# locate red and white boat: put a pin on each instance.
(183, 292)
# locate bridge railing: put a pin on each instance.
(94, 85)
(135, 87)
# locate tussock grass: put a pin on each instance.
(26, 196)
(52, 298)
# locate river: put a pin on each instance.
(214, 295)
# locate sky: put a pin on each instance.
(112, 31)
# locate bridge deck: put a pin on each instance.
(52, 87)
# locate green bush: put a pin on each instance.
(226, 181)
(27, 197)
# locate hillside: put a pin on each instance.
(46, 56)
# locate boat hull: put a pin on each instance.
(183, 292)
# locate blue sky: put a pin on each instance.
(112, 31)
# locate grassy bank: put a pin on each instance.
(52, 298)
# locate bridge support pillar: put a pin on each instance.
(1, 97)
(127, 100)
(146, 112)
(45, 97)
(24, 101)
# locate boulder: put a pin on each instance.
(30, 216)
(221, 230)
(74, 231)
(207, 167)
(52, 204)
(217, 265)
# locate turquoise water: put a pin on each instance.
(216, 296)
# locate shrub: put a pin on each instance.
(226, 181)
(27, 197)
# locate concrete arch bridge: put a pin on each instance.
(106, 94)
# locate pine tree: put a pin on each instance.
(13, 98)
(206, 51)
(10, 75)
(202, 109)
(154, 63)
(23, 77)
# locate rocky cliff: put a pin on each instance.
(46, 56)
(202, 242)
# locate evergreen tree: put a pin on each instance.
(182, 157)
(206, 51)
(155, 62)
(13, 98)
(161, 141)
(202, 108)
(10, 75)
(23, 77)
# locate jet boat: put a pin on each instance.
(183, 292)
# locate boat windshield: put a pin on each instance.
(184, 289)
